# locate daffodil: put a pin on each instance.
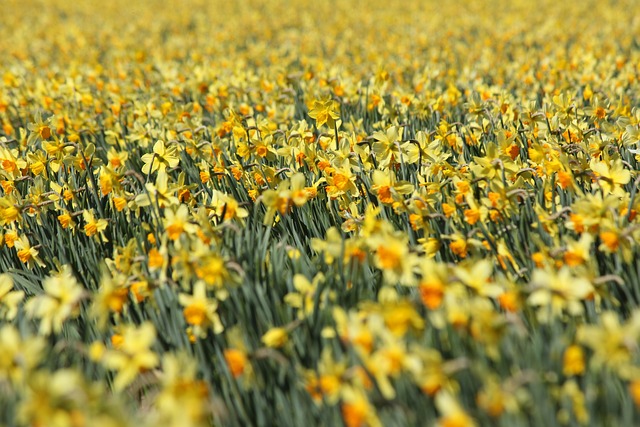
(304, 298)
(388, 190)
(573, 361)
(275, 337)
(356, 409)
(183, 399)
(94, 226)
(290, 192)
(614, 343)
(554, 293)
(162, 157)
(611, 176)
(478, 277)
(387, 146)
(200, 311)
(59, 302)
(326, 382)
(19, 355)
(325, 111)
(27, 253)
(394, 258)
(133, 355)
(11, 162)
(9, 299)
(452, 412)
(225, 207)
(178, 222)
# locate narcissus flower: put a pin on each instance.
(161, 158)
(133, 354)
(325, 111)
(59, 302)
(19, 356)
(275, 337)
(9, 299)
(573, 361)
(611, 176)
(27, 253)
(178, 222)
(94, 226)
(200, 311)
(554, 292)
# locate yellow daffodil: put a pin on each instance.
(162, 157)
(133, 355)
(59, 302)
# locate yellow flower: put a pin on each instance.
(26, 253)
(492, 398)
(156, 259)
(399, 316)
(183, 399)
(572, 391)
(357, 411)
(111, 297)
(387, 146)
(133, 355)
(477, 276)
(459, 247)
(18, 356)
(59, 302)
(66, 221)
(8, 211)
(610, 241)
(578, 252)
(94, 226)
(11, 162)
(120, 203)
(225, 207)
(40, 129)
(613, 344)
(275, 337)
(236, 361)
(433, 375)
(62, 396)
(387, 190)
(611, 176)
(178, 222)
(290, 192)
(555, 292)
(305, 296)
(394, 259)
(325, 111)
(160, 159)
(9, 299)
(453, 415)
(200, 311)
(325, 381)
(573, 361)
(117, 158)
(634, 389)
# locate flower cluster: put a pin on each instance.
(267, 213)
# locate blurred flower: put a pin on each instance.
(200, 311)
(19, 356)
(132, 355)
(59, 302)
(275, 337)
(573, 361)
(554, 293)
(9, 299)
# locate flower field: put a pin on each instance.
(292, 213)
